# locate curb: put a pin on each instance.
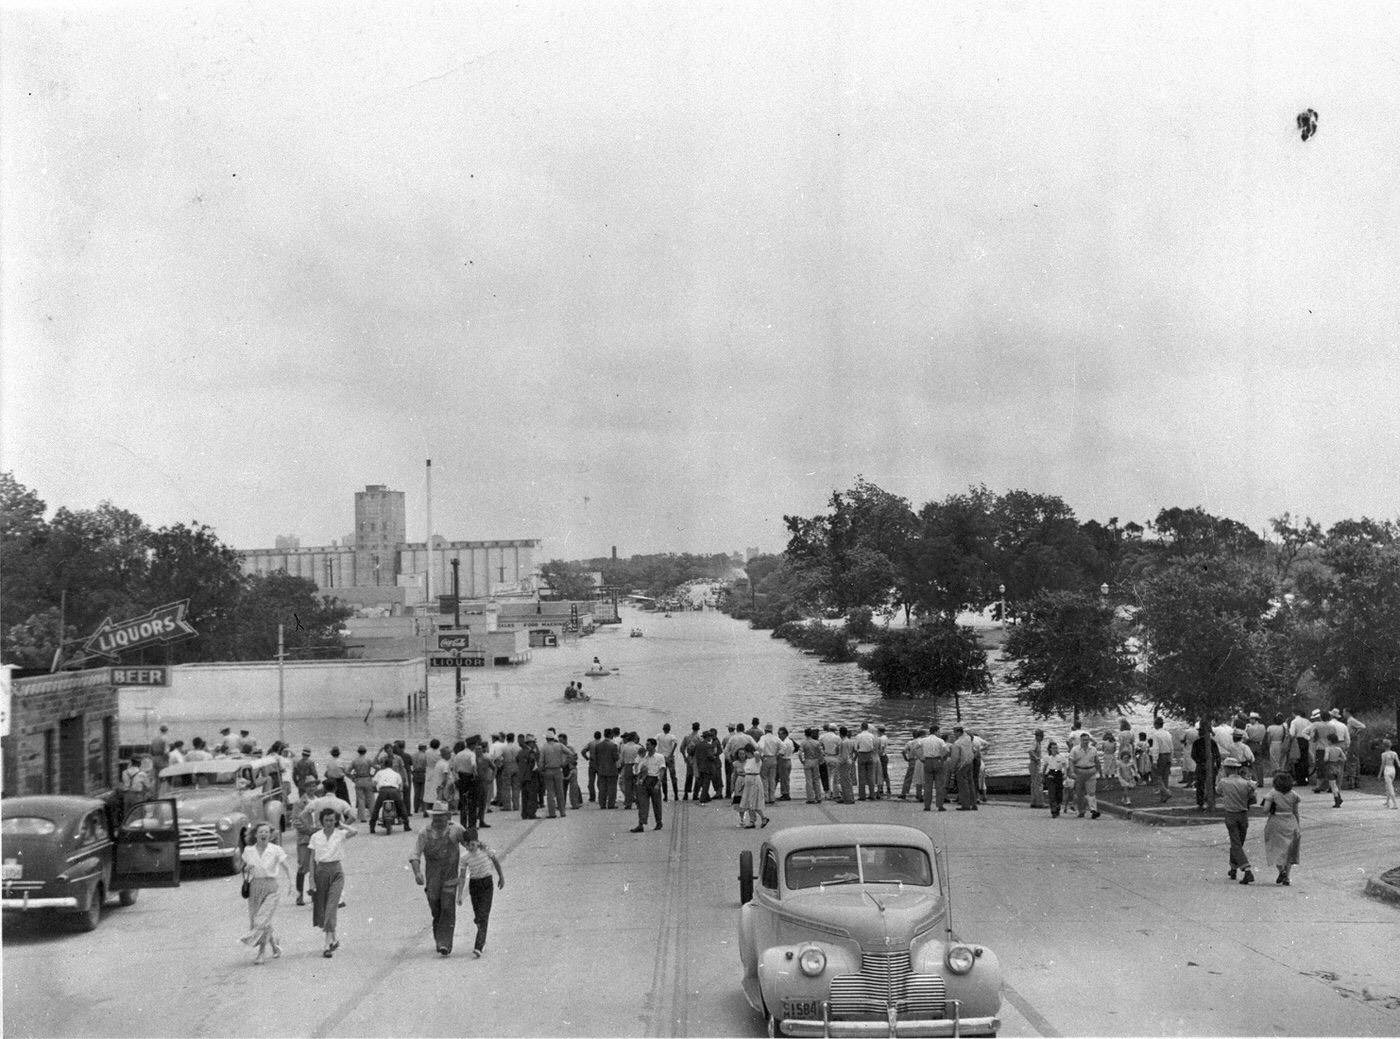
(1153, 817)
(1379, 888)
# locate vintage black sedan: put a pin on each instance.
(68, 854)
(845, 930)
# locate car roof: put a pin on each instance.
(54, 807)
(822, 835)
(215, 765)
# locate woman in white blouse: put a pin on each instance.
(263, 861)
(327, 875)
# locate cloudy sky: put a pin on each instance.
(653, 275)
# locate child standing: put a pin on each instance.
(1390, 764)
(479, 861)
(1333, 758)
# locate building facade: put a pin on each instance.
(379, 567)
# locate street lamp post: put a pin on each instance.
(1001, 590)
(457, 618)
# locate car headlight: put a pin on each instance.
(812, 962)
(960, 959)
(225, 824)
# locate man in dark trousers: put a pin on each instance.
(605, 755)
(650, 768)
(444, 878)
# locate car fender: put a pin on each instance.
(779, 976)
(979, 990)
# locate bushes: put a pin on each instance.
(936, 659)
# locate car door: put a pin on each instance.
(148, 847)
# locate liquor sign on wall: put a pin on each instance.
(163, 625)
(140, 676)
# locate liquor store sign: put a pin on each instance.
(140, 676)
(163, 625)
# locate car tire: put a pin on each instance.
(745, 877)
(127, 897)
(90, 917)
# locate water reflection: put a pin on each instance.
(701, 667)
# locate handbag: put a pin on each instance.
(247, 885)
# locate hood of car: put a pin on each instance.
(200, 806)
(868, 914)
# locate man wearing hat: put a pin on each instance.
(1319, 725)
(1254, 731)
(444, 877)
(552, 759)
(227, 740)
(160, 751)
(304, 769)
(1236, 794)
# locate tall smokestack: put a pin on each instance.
(614, 552)
(428, 588)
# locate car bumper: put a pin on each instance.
(25, 902)
(910, 1027)
(208, 853)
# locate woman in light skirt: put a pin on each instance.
(328, 875)
(264, 864)
(751, 794)
(1282, 833)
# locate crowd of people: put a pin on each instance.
(459, 784)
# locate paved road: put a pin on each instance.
(1103, 927)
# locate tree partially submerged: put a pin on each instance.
(939, 658)
(1072, 656)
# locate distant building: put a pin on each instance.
(378, 567)
(286, 541)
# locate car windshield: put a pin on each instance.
(27, 826)
(859, 864)
(186, 781)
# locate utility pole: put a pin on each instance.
(281, 689)
(457, 619)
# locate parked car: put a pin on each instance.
(848, 932)
(64, 853)
(220, 799)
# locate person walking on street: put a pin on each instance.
(1086, 763)
(1390, 764)
(650, 776)
(439, 869)
(419, 790)
(328, 875)
(1052, 774)
(750, 779)
(361, 773)
(480, 861)
(1333, 761)
(687, 748)
(303, 768)
(1236, 794)
(1282, 831)
(1205, 754)
(264, 864)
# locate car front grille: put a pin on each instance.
(194, 838)
(887, 980)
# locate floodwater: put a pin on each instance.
(693, 666)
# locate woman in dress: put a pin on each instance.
(264, 863)
(327, 874)
(1390, 764)
(1037, 754)
(1282, 834)
(751, 796)
(1127, 766)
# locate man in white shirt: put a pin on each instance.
(666, 746)
(649, 768)
(787, 749)
(933, 753)
(1161, 758)
(865, 763)
(831, 756)
(388, 786)
(768, 762)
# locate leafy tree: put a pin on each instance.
(854, 554)
(1194, 531)
(1293, 539)
(566, 581)
(311, 622)
(950, 563)
(1199, 617)
(1072, 656)
(190, 562)
(936, 659)
(23, 533)
(32, 642)
(1039, 546)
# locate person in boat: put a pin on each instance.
(569, 692)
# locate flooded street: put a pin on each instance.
(703, 667)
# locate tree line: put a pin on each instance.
(1194, 614)
(64, 574)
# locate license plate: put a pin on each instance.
(803, 1009)
(12, 871)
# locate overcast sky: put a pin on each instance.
(653, 275)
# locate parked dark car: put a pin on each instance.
(68, 854)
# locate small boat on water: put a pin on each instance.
(636, 633)
(597, 672)
(578, 697)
